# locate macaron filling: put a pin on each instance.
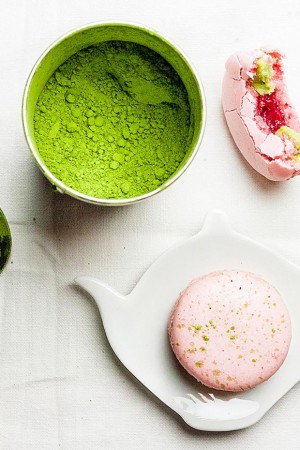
(262, 82)
(274, 113)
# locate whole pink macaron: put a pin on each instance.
(230, 330)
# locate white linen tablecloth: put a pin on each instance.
(60, 384)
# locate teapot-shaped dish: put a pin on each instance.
(136, 325)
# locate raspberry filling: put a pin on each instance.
(268, 107)
(274, 113)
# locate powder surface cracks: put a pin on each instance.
(113, 121)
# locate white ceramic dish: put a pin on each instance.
(136, 325)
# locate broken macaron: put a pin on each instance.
(259, 113)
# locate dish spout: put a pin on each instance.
(106, 298)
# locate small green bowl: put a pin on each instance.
(89, 35)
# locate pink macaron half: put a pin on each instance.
(260, 115)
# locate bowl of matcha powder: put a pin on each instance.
(113, 113)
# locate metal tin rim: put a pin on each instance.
(61, 187)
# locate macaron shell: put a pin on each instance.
(276, 170)
(230, 330)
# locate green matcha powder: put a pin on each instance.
(113, 121)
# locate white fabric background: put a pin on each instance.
(60, 384)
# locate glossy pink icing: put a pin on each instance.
(230, 330)
(266, 152)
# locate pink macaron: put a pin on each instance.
(230, 330)
(260, 115)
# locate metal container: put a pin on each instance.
(86, 36)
